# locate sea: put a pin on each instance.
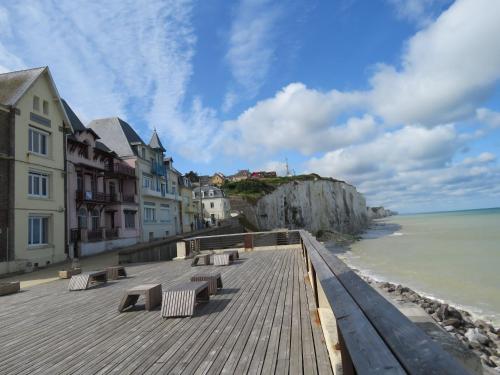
(450, 256)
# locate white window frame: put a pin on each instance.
(38, 179)
(32, 133)
(43, 222)
(147, 182)
(149, 214)
(165, 215)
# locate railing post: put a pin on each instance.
(347, 365)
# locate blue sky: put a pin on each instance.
(398, 97)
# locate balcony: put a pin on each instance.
(112, 233)
(95, 197)
(128, 198)
(121, 169)
(158, 169)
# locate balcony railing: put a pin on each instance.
(158, 169)
(94, 235)
(128, 198)
(94, 196)
(122, 169)
(112, 233)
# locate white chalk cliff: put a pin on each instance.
(312, 205)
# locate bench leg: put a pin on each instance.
(153, 298)
(127, 300)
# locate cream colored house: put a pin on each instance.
(33, 124)
(189, 209)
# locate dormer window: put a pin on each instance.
(45, 107)
(36, 103)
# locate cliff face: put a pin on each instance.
(378, 212)
(312, 205)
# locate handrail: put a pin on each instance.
(374, 337)
(377, 336)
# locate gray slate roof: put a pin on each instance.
(118, 135)
(76, 124)
(155, 142)
(14, 84)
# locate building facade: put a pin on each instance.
(217, 179)
(189, 208)
(156, 209)
(214, 203)
(33, 125)
(102, 194)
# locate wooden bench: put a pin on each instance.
(151, 293)
(233, 254)
(86, 279)
(204, 257)
(9, 287)
(67, 274)
(181, 299)
(116, 272)
(222, 259)
(214, 280)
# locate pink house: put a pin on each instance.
(102, 208)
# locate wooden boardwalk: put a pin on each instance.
(262, 322)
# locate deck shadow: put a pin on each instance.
(208, 309)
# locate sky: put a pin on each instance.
(400, 98)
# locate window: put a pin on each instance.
(38, 230)
(79, 182)
(45, 107)
(147, 182)
(129, 219)
(82, 218)
(37, 141)
(164, 214)
(149, 215)
(211, 204)
(38, 185)
(143, 150)
(36, 103)
(96, 220)
(210, 193)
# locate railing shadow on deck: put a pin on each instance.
(365, 333)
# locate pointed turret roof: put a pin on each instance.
(155, 142)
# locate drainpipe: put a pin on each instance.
(66, 242)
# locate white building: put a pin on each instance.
(215, 205)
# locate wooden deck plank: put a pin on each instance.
(47, 329)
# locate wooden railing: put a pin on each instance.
(372, 335)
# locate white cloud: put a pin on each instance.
(297, 118)
(448, 68)
(113, 58)
(488, 117)
(251, 47)
(410, 148)
(421, 12)
(484, 157)
(279, 167)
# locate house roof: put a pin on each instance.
(117, 134)
(155, 142)
(13, 85)
(75, 122)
